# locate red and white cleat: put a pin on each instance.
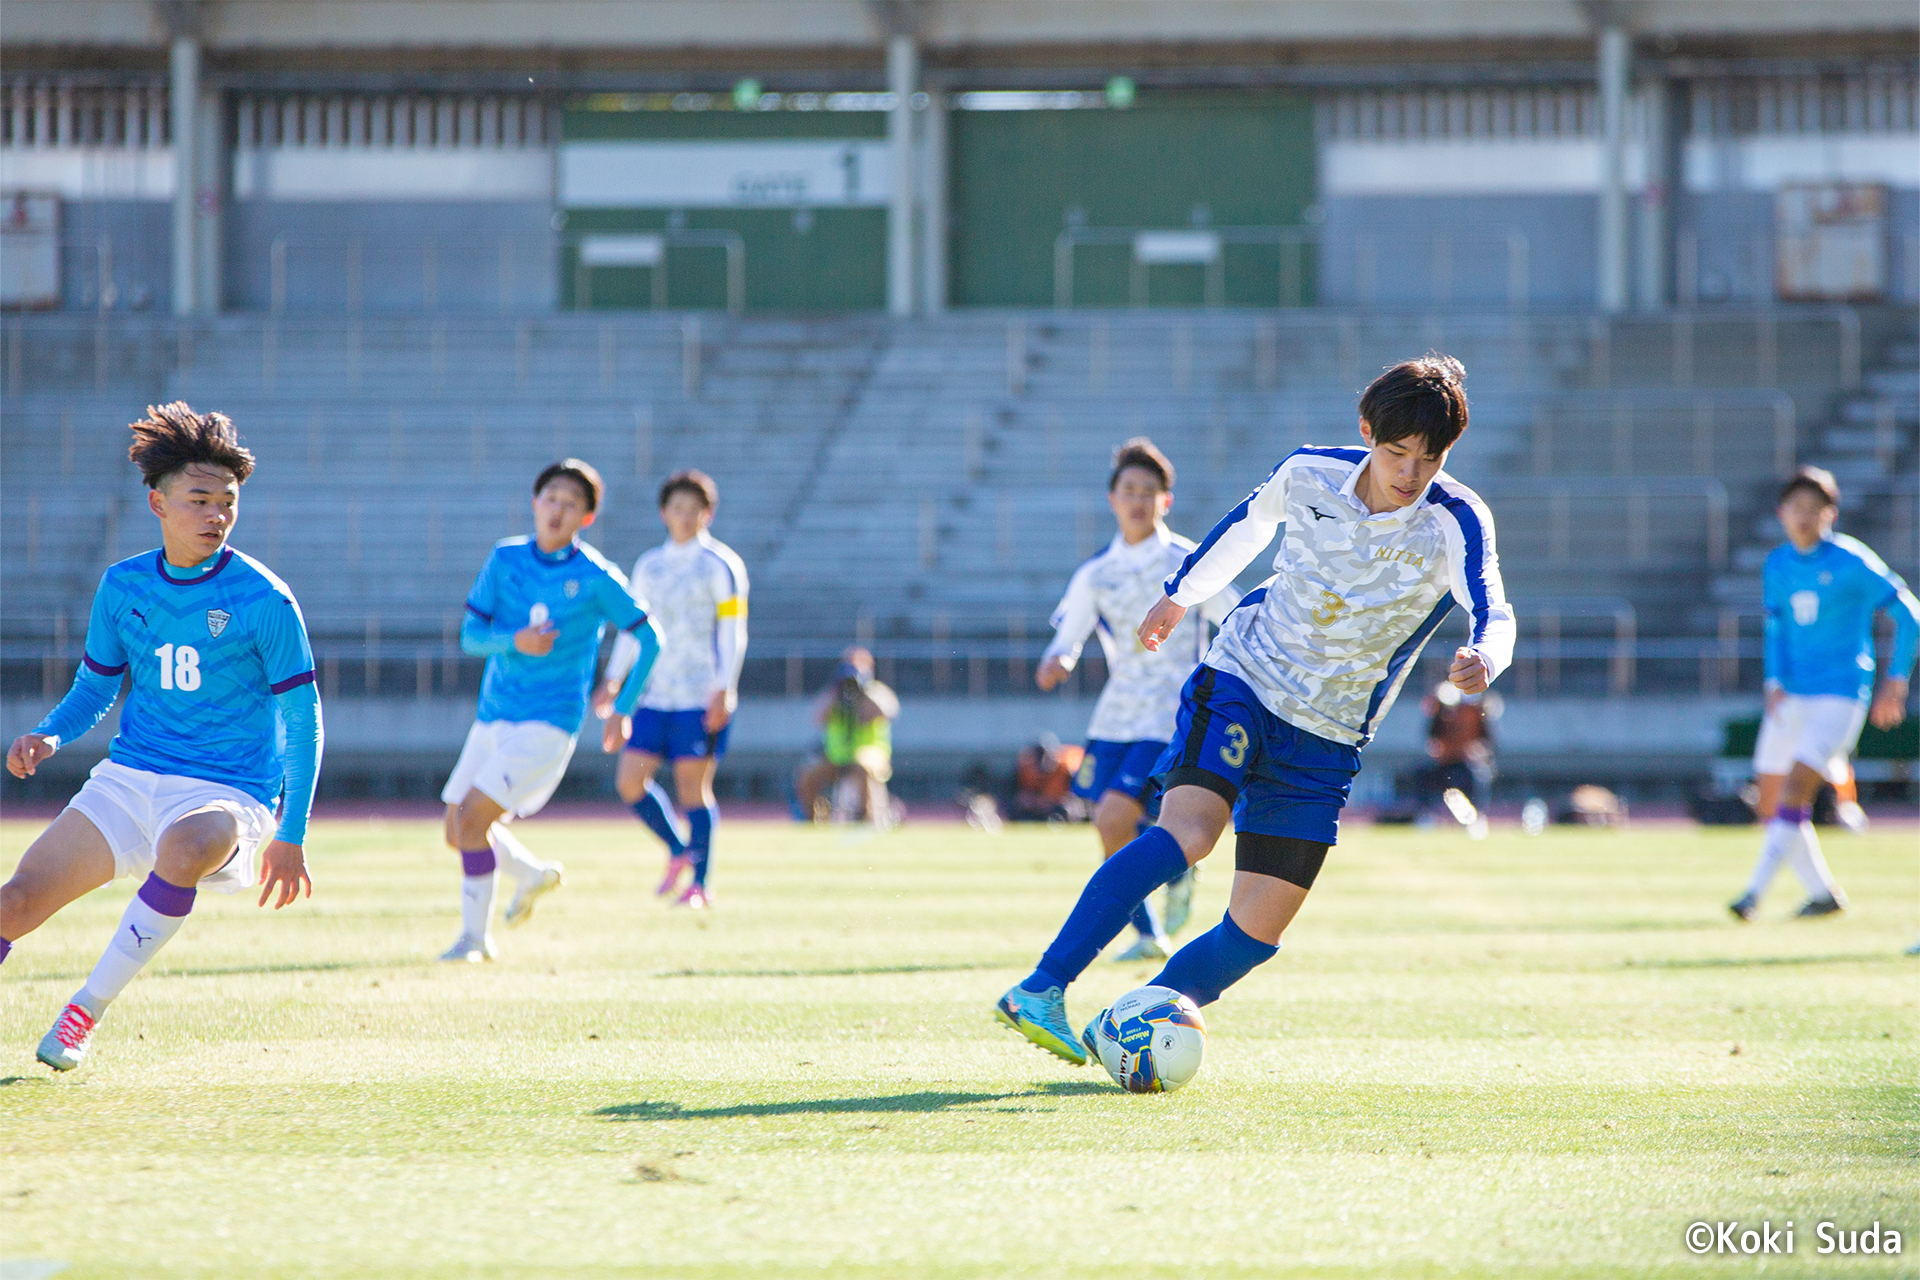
(676, 867)
(695, 898)
(65, 1047)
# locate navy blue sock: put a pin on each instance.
(700, 825)
(1214, 961)
(1122, 883)
(651, 808)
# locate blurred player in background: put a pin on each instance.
(221, 724)
(1821, 591)
(1133, 720)
(1380, 544)
(536, 613)
(697, 588)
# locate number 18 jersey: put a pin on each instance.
(207, 653)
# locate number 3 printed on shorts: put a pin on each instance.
(179, 667)
(1235, 752)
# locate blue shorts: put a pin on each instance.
(1281, 780)
(1126, 767)
(676, 735)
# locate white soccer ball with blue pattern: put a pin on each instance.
(1151, 1040)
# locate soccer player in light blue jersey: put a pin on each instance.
(1379, 545)
(220, 726)
(536, 613)
(1821, 591)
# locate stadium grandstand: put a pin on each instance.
(900, 276)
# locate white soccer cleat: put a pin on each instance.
(1144, 948)
(468, 949)
(1851, 816)
(520, 910)
(1460, 807)
(65, 1046)
(1178, 908)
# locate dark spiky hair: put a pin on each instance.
(592, 487)
(1420, 397)
(1817, 481)
(697, 483)
(172, 437)
(1145, 454)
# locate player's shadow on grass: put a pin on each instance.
(869, 971)
(924, 1102)
(242, 970)
(1746, 962)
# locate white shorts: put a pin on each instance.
(133, 808)
(1818, 731)
(516, 763)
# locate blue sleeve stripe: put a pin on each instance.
(1410, 647)
(1475, 537)
(1342, 452)
(1214, 535)
(291, 682)
(1253, 597)
(101, 668)
(733, 581)
(478, 612)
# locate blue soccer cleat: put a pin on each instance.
(1042, 1018)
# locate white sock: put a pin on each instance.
(141, 933)
(476, 905)
(515, 858)
(1777, 841)
(1811, 866)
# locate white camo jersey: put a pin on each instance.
(1110, 594)
(1328, 640)
(698, 590)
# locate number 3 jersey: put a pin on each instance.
(1328, 640)
(1109, 595)
(207, 654)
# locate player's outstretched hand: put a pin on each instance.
(1159, 623)
(27, 751)
(536, 642)
(602, 704)
(1469, 673)
(283, 867)
(615, 732)
(719, 712)
(1050, 674)
(1889, 705)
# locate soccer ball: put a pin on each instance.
(1151, 1040)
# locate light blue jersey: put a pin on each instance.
(521, 586)
(1820, 608)
(209, 654)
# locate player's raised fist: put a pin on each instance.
(536, 641)
(1050, 674)
(1159, 623)
(28, 750)
(1469, 673)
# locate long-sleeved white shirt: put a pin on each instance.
(1328, 640)
(1109, 595)
(697, 593)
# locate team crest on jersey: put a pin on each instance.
(217, 620)
(572, 588)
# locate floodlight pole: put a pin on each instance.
(1613, 71)
(903, 76)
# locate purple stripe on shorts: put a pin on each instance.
(478, 862)
(1792, 816)
(167, 899)
(101, 668)
(291, 682)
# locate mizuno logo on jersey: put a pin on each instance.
(1318, 514)
(217, 620)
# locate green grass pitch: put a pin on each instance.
(1528, 1057)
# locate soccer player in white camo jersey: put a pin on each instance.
(1133, 720)
(697, 588)
(1380, 545)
